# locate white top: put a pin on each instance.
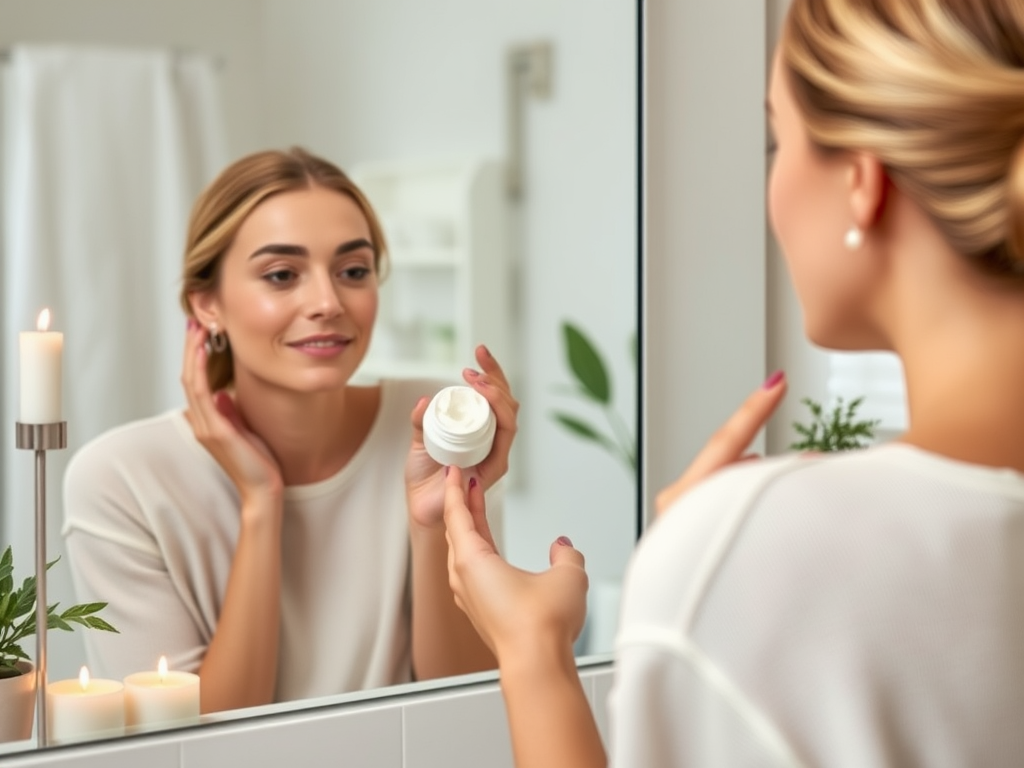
(151, 522)
(860, 609)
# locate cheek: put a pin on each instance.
(260, 312)
(253, 313)
(798, 218)
(364, 303)
(780, 201)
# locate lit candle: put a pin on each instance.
(161, 699)
(40, 358)
(84, 709)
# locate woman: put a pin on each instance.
(283, 535)
(858, 609)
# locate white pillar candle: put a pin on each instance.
(40, 354)
(84, 709)
(161, 699)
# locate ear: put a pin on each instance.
(205, 307)
(868, 183)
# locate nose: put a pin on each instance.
(324, 299)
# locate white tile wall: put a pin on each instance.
(600, 684)
(125, 754)
(462, 730)
(462, 727)
(350, 736)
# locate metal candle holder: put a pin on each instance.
(41, 438)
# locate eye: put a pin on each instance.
(356, 272)
(279, 277)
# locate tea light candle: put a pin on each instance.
(84, 708)
(162, 698)
(40, 353)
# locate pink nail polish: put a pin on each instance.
(772, 381)
(564, 541)
(472, 483)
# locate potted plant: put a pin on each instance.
(18, 622)
(837, 430)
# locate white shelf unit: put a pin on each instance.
(449, 281)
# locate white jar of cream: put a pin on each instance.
(458, 427)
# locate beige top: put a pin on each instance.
(863, 609)
(151, 522)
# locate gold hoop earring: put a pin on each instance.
(218, 340)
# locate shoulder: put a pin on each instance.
(132, 454)
(682, 546)
(781, 505)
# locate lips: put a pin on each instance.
(325, 341)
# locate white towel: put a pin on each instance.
(104, 151)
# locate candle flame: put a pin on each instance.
(161, 669)
(43, 321)
(83, 679)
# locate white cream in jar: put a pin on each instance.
(458, 427)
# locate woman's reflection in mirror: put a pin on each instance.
(282, 535)
(852, 609)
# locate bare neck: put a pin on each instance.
(312, 436)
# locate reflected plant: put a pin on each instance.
(839, 430)
(18, 615)
(593, 386)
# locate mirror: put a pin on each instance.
(377, 84)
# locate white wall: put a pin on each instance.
(705, 223)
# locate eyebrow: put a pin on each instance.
(284, 249)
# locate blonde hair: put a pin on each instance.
(935, 90)
(221, 208)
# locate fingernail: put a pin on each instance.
(564, 541)
(191, 324)
(471, 373)
(773, 380)
(446, 471)
(472, 483)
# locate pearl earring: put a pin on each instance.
(854, 238)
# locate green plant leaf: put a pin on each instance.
(95, 622)
(586, 364)
(18, 614)
(836, 430)
(582, 429)
(56, 622)
(26, 596)
(12, 653)
(6, 571)
(8, 604)
(83, 609)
